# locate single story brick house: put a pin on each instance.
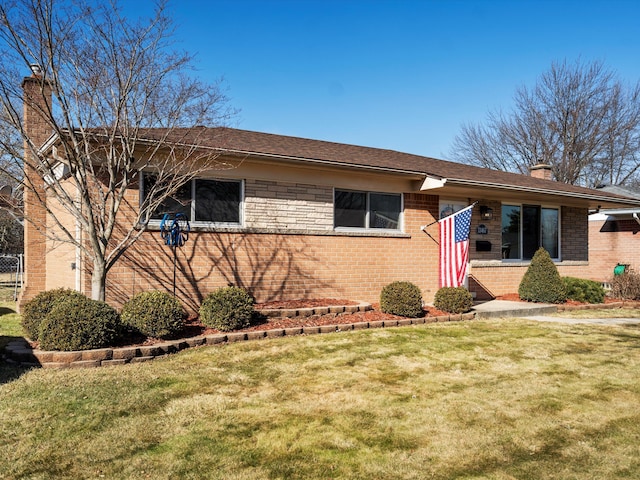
(299, 218)
(614, 237)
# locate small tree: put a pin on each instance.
(117, 100)
(542, 282)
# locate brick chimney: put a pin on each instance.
(542, 171)
(37, 127)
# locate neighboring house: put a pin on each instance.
(614, 237)
(298, 218)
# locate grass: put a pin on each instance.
(494, 399)
(9, 323)
(7, 289)
(600, 313)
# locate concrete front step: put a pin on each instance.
(505, 308)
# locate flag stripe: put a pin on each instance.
(454, 247)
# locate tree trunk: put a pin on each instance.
(98, 280)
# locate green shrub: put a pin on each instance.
(401, 298)
(35, 310)
(154, 314)
(542, 282)
(453, 300)
(226, 309)
(582, 290)
(626, 286)
(79, 323)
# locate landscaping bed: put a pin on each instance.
(337, 315)
(609, 302)
(134, 348)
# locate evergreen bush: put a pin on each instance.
(154, 314)
(582, 290)
(35, 310)
(79, 323)
(541, 281)
(453, 300)
(226, 309)
(401, 298)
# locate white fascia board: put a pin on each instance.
(429, 183)
(620, 211)
(545, 191)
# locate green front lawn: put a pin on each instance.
(497, 399)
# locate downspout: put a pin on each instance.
(78, 257)
(78, 272)
(635, 217)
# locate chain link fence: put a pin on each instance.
(11, 276)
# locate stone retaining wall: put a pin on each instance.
(20, 352)
(310, 311)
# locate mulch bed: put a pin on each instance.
(194, 328)
(314, 320)
(311, 303)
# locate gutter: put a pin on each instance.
(248, 153)
(429, 181)
(547, 191)
(332, 163)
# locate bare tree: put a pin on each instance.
(117, 99)
(578, 118)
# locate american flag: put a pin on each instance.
(454, 247)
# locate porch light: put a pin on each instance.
(486, 213)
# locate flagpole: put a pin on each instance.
(424, 227)
(454, 247)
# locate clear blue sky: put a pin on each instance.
(402, 75)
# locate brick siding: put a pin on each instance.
(574, 234)
(612, 242)
(490, 277)
(38, 131)
(60, 254)
(300, 255)
(285, 266)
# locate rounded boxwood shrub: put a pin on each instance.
(453, 300)
(401, 298)
(582, 290)
(79, 323)
(226, 309)
(35, 310)
(541, 282)
(154, 314)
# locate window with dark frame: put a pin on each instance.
(526, 228)
(202, 200)
(367, 210)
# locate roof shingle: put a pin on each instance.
(244, 142)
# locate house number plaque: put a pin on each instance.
(482, 229)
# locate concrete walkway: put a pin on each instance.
(505, 308)
(541, 312)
